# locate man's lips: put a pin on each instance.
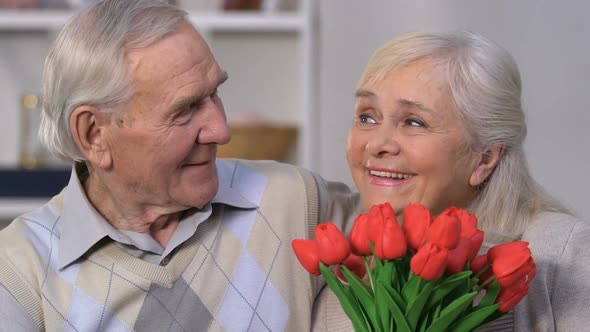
(197, 163)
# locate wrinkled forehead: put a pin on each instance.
(175, 54)
(170, 51)
(431, 69)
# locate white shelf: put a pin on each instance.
(34, 20)
(11, 208)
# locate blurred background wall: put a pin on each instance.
(549, 39)
(294, 65)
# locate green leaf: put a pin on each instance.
(364, 295)
(474, 319)
(382, 307)
(411, 288)
(348, 303)
(491, 295)
(415, 308)
(385, 273)
(395, 296)
(398, 316)
(425, 321)
(445, 287)
(451, 312)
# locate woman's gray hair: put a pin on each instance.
(486, 89)
(86, 64)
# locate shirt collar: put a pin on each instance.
(83, 226)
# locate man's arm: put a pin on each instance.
(12, 315)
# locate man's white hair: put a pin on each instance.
(86, 64)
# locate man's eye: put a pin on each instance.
(185, 115)
(366, 119)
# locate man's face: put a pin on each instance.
(164, 143)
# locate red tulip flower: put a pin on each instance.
(417, 221)
(470, 231)
(332, 243)
(507, 249)
(468, 222)
(510, 298)
(391, 243)
(359, 236)
(458, 256)
(512, 262)
(379, 215)
(308, 254)
(445, 231)
(355, 264)
(430, 261)
(475, 240)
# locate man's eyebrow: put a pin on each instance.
(406, 103)
(184, 103)
(223, 78)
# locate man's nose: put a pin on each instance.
(214, 129)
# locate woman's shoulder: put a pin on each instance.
(550, 233)
(550, 223)
(558, 296)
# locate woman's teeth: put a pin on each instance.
(390, 175)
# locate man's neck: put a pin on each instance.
(122, 214)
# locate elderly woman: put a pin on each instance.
(439, 121)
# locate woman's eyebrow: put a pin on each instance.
(406, 103)
(362, 93)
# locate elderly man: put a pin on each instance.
(152, 233)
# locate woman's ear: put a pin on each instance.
(89, 128)
(485, 165)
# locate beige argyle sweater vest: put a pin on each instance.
(237, 273)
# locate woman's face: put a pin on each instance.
(407, 143)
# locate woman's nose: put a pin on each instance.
(383, 141)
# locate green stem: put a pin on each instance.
(487, 267)
(490, 280)
(436, 311)
(369, 273)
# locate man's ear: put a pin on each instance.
(89, 128)
(485, 165)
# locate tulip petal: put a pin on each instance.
(359, 236)
(308, 254)
(417, 221)
(445, 231)
(332, 243)
(392, 242)
(430, 261)
(355, 264)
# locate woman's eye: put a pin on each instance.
(415, 123)
(366, 119)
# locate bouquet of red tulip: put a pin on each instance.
(422, 276)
